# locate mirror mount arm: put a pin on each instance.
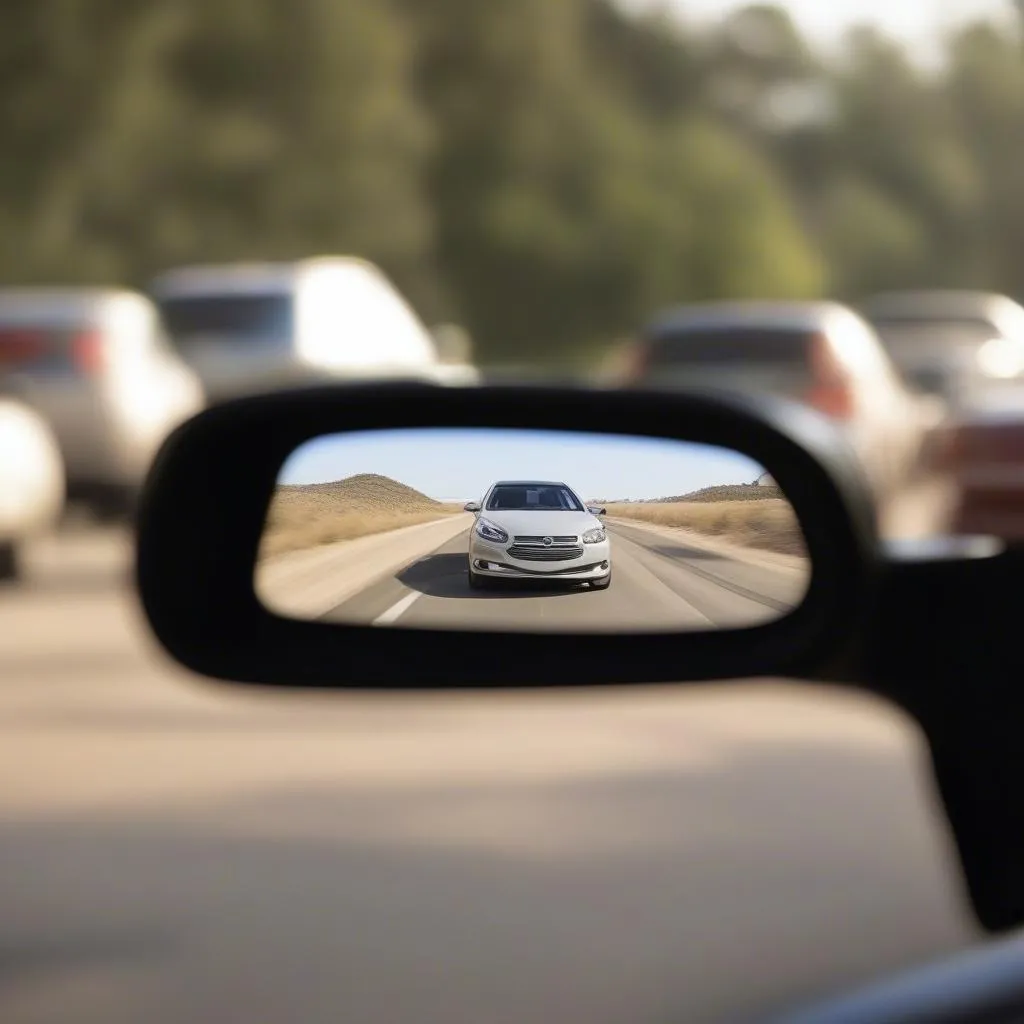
(911, 653)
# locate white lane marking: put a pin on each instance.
(397, 610)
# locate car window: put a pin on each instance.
(532, 497)
(728, 344)
(256, 316)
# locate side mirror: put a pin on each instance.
(471, 506)
(251, 570)
(596, 510)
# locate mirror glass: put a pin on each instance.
(524, 530)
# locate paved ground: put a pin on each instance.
(658, 582)
(172, 851)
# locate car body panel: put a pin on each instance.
(979, 454)
(109, 420)
(31, 473)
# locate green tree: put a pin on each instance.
(548, 174)
(182, 130)
(567, 208)
(985, 90)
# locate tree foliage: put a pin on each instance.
(547, 173)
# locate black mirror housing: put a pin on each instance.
(203, 509)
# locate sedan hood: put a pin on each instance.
(542, 523)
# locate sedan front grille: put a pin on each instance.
(527, 553)
(539, 539)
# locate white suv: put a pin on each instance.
(246, 328)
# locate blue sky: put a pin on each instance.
(452, 463)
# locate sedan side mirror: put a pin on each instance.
(471, 506)
(595, 510)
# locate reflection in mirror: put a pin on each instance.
(524, 530)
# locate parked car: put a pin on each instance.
(979, 454)
(95, 364)
(822, 354)
(537, 530)
(252, 327)
(31, 479)
(951, 342)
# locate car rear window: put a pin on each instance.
(259, 316)
(782, 346)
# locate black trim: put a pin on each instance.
(539, 573)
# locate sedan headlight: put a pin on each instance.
(491, 531)
(595, 536)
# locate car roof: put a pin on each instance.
(754, 313)
(64, 304)
(529, 483)
(939, 302)
(245, 277)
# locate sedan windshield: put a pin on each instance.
(533, 497)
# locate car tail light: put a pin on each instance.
(831, 390)
(87, 351)
(19, 345)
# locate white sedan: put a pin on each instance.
(537, 530)
(32, 489)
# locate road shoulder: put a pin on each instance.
(307, 584)
(716, 545)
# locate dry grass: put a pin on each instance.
(310, 515)
(731, 492)
(768, 524)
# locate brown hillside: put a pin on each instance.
(716, 493)
(730, 492)
(308, 515)
(365, 492)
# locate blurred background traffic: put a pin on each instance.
(200, 200)
(205, 200)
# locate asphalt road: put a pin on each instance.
(173, 851)
(658, 582)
